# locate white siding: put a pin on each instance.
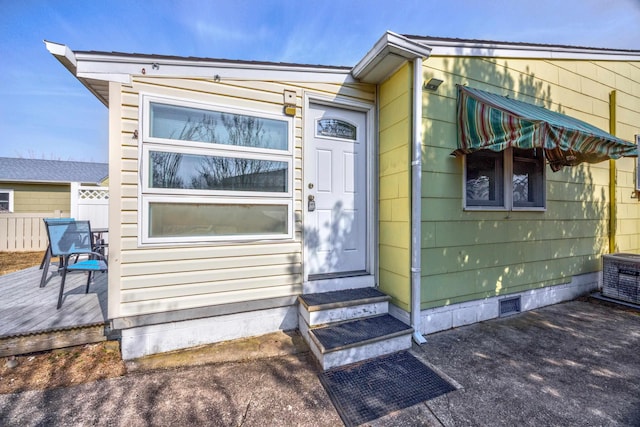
(147, 280)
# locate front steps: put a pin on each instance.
(343, 327)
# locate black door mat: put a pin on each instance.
(369, 390)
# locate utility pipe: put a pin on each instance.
(416, 201)
(612, 177)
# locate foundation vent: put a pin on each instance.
(509, 306)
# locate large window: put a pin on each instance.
(6, 201)
(210, 173)
(512, 179)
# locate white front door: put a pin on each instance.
(335, 199)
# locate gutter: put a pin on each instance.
(416, 201)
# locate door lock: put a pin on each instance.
(311, 205)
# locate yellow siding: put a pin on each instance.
(157, 279)
(36, 198)
(472, 255)
(394, 183)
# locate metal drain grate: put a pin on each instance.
(365, 391)
(509, 306)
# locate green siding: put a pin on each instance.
(473, 255)
(37, 198)
(394, 184)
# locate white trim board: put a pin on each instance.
(337, 101)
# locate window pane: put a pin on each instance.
(336, 129)
(201, 219)
(192, 171)
(193, 124)
(4, 202)
(484, 179)
(528, 181)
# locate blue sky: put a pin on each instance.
(46, 113)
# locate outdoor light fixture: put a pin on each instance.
(290, 102)
(432, 84)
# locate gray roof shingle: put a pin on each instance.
(36, 170)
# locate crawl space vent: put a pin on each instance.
(621, 277)
(509, 306)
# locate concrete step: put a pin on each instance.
(338, 306)
(357, 340)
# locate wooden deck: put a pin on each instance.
(29, 320)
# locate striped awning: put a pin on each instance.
(495, 122)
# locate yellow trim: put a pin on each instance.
(612, 177)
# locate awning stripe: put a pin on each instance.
(494, 122)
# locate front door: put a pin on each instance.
(335, 200)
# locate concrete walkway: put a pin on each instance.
(576, 363)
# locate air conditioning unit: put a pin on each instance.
(621, 277)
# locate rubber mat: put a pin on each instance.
(355, 331)
(343, 295)
(369, 390)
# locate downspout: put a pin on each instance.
(416, 201)
(612, 177)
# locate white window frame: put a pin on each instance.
(146, 169)
(178, 102)
(213, 201)
(148, 194)
(10, 192)
(507, 188)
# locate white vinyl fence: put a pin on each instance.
(26, 231)
(90, 203)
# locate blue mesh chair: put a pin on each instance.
(46, 259)
(69, 238)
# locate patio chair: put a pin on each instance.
(69, 238)
(46, 259)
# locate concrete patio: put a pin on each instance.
(575, 363)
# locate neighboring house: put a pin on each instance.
(32, 189)
(241, 185)
(44, 186)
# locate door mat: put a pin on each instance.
(366, 391)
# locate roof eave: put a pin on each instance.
(95, 69)
(68, 59)
(44, 181)
(115, 67)
(481, 48)
(389, 53)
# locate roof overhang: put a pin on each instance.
(389, 53)
(48, 182)
(96, 69)
(98, 87)
(481, 48)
